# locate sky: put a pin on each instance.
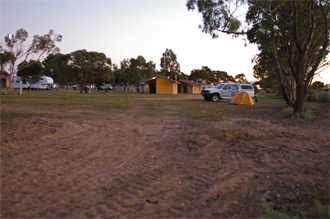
(128, 28)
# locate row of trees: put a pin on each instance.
(83, 67)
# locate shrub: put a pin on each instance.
(318, 96)
(305, 114)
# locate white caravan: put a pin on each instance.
(18, 82)
(42, 84)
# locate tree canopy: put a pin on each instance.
(30, 71)
(86, 67)
(204, 75)
(222, 76)
(132, 71)
(57, 67)
(169, 62)
(292, 36)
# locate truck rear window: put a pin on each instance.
(247, 87)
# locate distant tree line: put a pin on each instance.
(83, 68)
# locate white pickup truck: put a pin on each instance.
(226, 91)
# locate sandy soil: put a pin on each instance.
(133, 165)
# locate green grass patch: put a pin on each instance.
(306, 113)
(204, 110)
(269, 96)
(154, 107)
(271, 213)
(63, 98)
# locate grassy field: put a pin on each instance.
(118, 100)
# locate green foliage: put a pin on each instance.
(30, 71)
(218, 16)
(134, 70)
(240, 78)
(318, 96)
(86, 67)
(271, 213)
(318, 210)
(205, 75)
(315, 210)
(56, 66)
(222, 76)
(4, 59)
(306, 113)
(317, 85)
(264, 70)
(292, 36)
(139, 69)
(169, 63)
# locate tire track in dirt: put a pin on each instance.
(135, 165)
(87, 148)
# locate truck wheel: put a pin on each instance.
(215, 98)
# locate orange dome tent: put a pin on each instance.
(242, 98)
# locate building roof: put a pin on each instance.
(159, 76)
(190, 82)
(4, 77)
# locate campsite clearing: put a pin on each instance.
(71, 155)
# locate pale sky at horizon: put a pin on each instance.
(129, 28)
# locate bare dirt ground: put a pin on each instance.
(133, 165)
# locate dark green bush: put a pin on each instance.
(318, 96)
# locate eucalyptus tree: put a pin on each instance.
(205, 75)
(264, 70)
(169, 64)
(85, 67)
(140, 69)
(240, 78)
(57, 66)
(222, 76)
(40, 46)
(121, 73)
(294, 33)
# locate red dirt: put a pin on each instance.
(133, 165)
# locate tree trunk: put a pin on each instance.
(10, 84)
(286, 83)
(298, 106)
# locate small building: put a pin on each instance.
(188, 86)
(159, 84)
(325, 89)
(5, 81)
